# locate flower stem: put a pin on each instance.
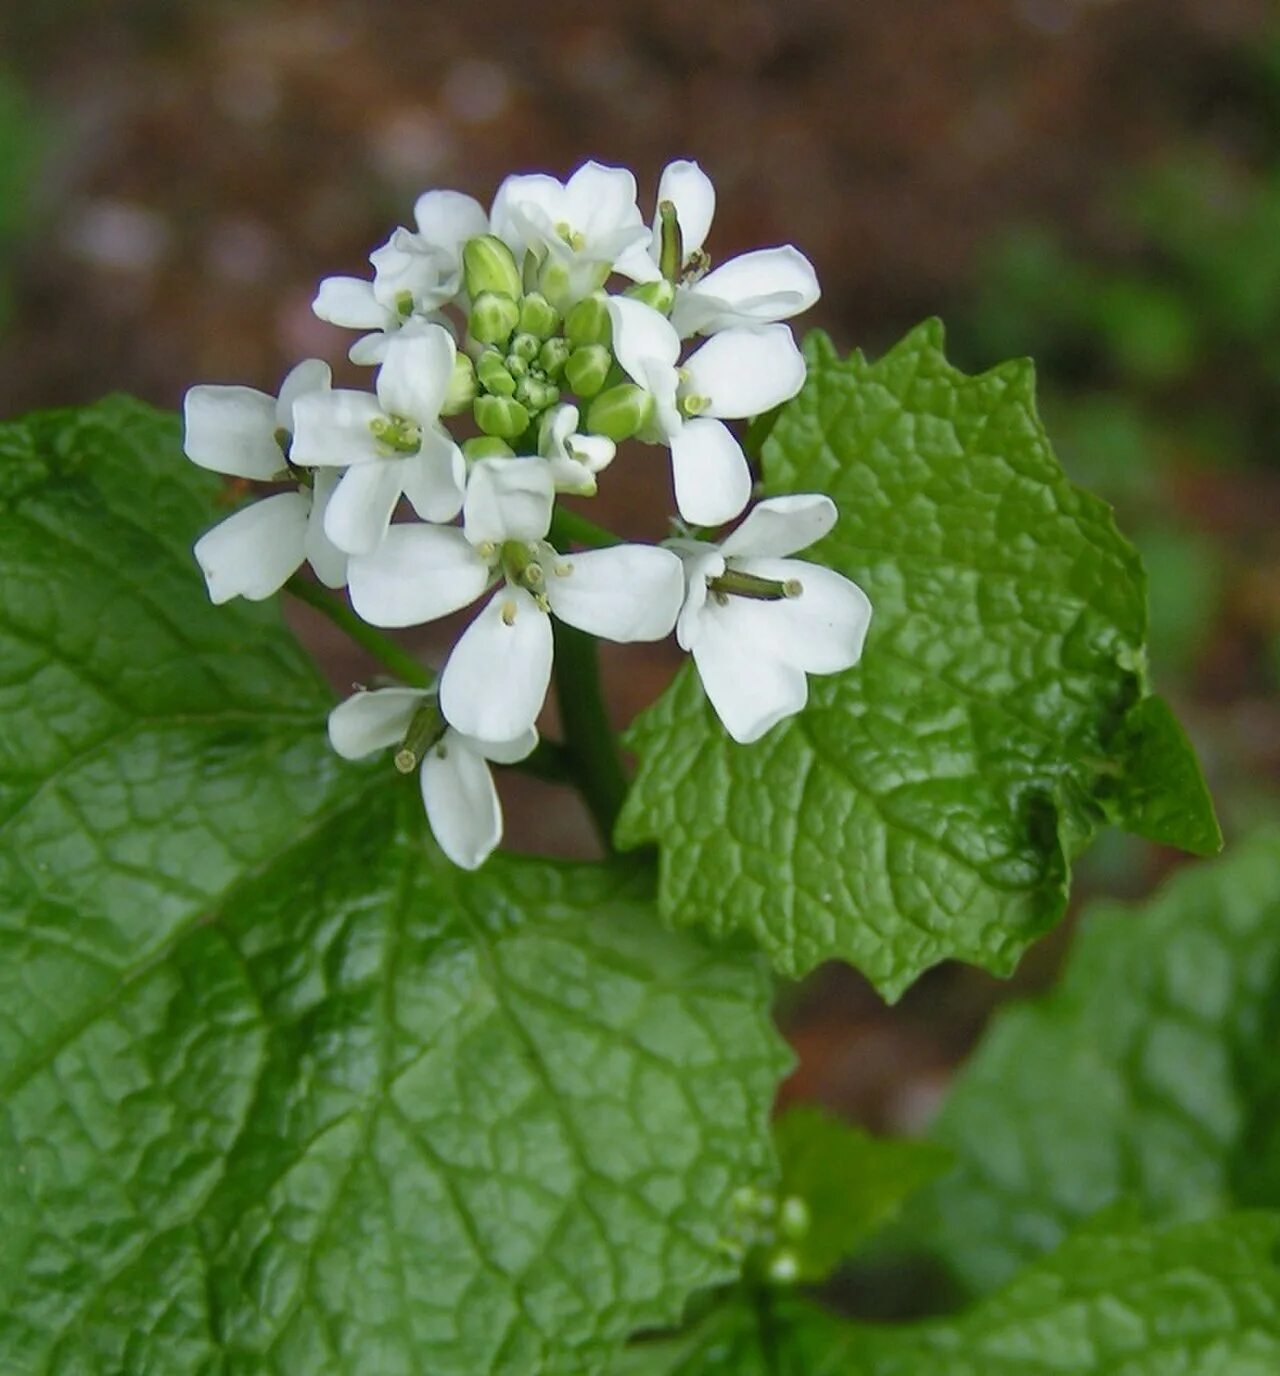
(390, 655)
(588, 737)
(567, 528)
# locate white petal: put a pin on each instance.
(232, 430)
(495, 681)
(508, 499)
(701, 561)
(417, 574)
(627, 593)
(780, 526)
(522, 194)
(689, 188)
(252, 553)
(434, 477)
(746, 372)
(416, 371)
(600, 201)
(332, 429)
(749, 691)
(350, 302)
(371, 721)
(821, 632)
(595, 452)
(447, 219)
(370, 349)
(311, 375)
(639, 261)
(507, 752)
(755, 288)
(406, 264)
(360, 510)
(461, 802)
(641, 335)
(711, 474)
(328, 561)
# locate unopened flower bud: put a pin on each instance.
(503, 417)
(488, 266)
(486, 447)
(538, 316)
(587, 368)
(493, 376)
(620, 412)
(461, 391)
(588, 322)
(525, 346)
(553, 355)
(660, 295)
(493, 317)
(537, 394)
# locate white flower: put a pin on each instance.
(755, 288)
(457, 788)
(496, 679)
(735, 374)
(415, 274)
(575, 458)
(757, 622)
(245, 433)
(390, 445)
(581, 226)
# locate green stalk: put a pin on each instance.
(568, 528)
(588, 737)
(390, 655)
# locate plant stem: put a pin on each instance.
(567, 527)
(588, 737)
(390, 655)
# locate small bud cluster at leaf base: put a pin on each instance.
(557, 325)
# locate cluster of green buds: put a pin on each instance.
(523, 357)
(768, 1231)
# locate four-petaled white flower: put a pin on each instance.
(453, 770)
(575, 458)
(755, 288)
(245, 433)
(415, 274)
(736, 373)
(496, 679)
(390, 445)
(757, 622)
(582, 226)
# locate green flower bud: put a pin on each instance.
(587, 369)
(516, 366)
(671, 241)
(620, 412)
(538, 316)
(660, 295)
(491, 370)
(502, 417)
(553, 355)
(588, 322)
(493, 317)
(461, 391)
(537, 394)
(487, 266)
(526, 346)
(486, 447)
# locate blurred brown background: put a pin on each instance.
(174, 178)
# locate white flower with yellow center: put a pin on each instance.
(391, 445)
(757, 622)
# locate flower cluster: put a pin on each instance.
(511, 361)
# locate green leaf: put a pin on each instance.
(848, 1183)
(926, 803)
(1149, 1074)
(282, 1090)
(1199, 1298)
